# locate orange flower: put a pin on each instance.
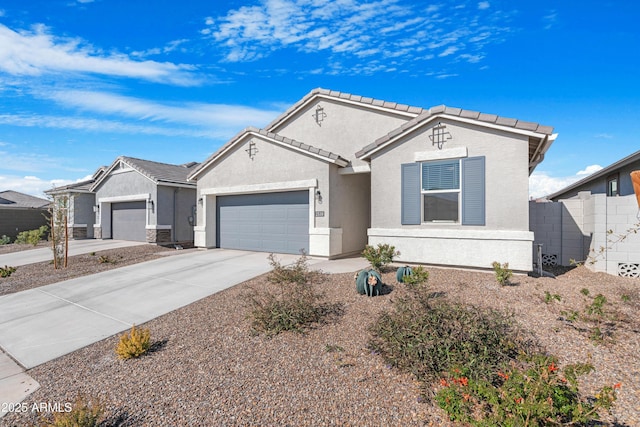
(466, 396)
(505, 376)
(617, 385)
(553, 367)
(463, 381)
(443, 382)
(519, 400)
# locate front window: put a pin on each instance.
(441, 191)
(612, 185)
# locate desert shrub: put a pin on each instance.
(7, 271)
(503, 274)
(83, 413)
(298, 272)
(294, 305)
(533, 392)
(5, 240)
(134, 344)
(32, 237)
(418, 277)
(380, 256)
(427, 336)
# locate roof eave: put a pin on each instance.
(366, 154)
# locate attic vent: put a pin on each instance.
(189, 165)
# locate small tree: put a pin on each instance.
(59, 231)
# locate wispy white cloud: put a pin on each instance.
(604, 136)
(37, 52)
(348, 30)
(121, 114)
(31, 184)
(543, 183)
(550, 19)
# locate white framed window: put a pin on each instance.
(440, 191)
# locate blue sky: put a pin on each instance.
(84, 81)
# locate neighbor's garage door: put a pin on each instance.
(270, 222)
(128, 221)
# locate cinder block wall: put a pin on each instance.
(602, 231)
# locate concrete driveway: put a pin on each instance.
(41, 324)
(76, 247)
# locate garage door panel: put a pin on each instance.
(128, 221)
(272, 222)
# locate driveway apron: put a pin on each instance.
(39, 325)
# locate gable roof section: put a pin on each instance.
(274, 138)
(159, 173)
(371, 103)
(76, 187)
(15, 200)
(632, 158)
(540, 137)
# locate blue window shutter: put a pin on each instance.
(473, 191)
(410, 209)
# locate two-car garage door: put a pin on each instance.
(269, 222)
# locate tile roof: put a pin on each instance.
(329, 156)
(82, 186)
(456, 112)
(365, 101)
(161, 172)
(15, 200)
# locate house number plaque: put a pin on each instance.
(319, 214)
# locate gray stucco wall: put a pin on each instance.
(185, 199)
(83, 204)
(344, 130)
(125, 183)
(507, 180)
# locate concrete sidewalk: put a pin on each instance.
(39, 325)
(76, 247)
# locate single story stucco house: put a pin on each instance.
(21, 212)
(145, 201)
(336, 171)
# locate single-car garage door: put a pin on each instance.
(128, 221)
(270, 222)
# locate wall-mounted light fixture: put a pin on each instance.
(252, 150)
(96, 208)
(152, 205)
(318, 196)
(319, 115)
(200, 201)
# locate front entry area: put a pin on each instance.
(266, 222)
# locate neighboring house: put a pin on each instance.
(614, 180)
(337, 171)
(145, 201)
(21, 212)
(595, 220)
(80, 202)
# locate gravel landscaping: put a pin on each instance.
(208, 368)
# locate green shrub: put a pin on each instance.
(5, 240)
(426, 336)
(294, 306)
(548, 297)
(83, 413)
(417, 278)
(134, 344)
(503, 274)
(380, 256)
(530, 393)
(32, 237)
(7, 271)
